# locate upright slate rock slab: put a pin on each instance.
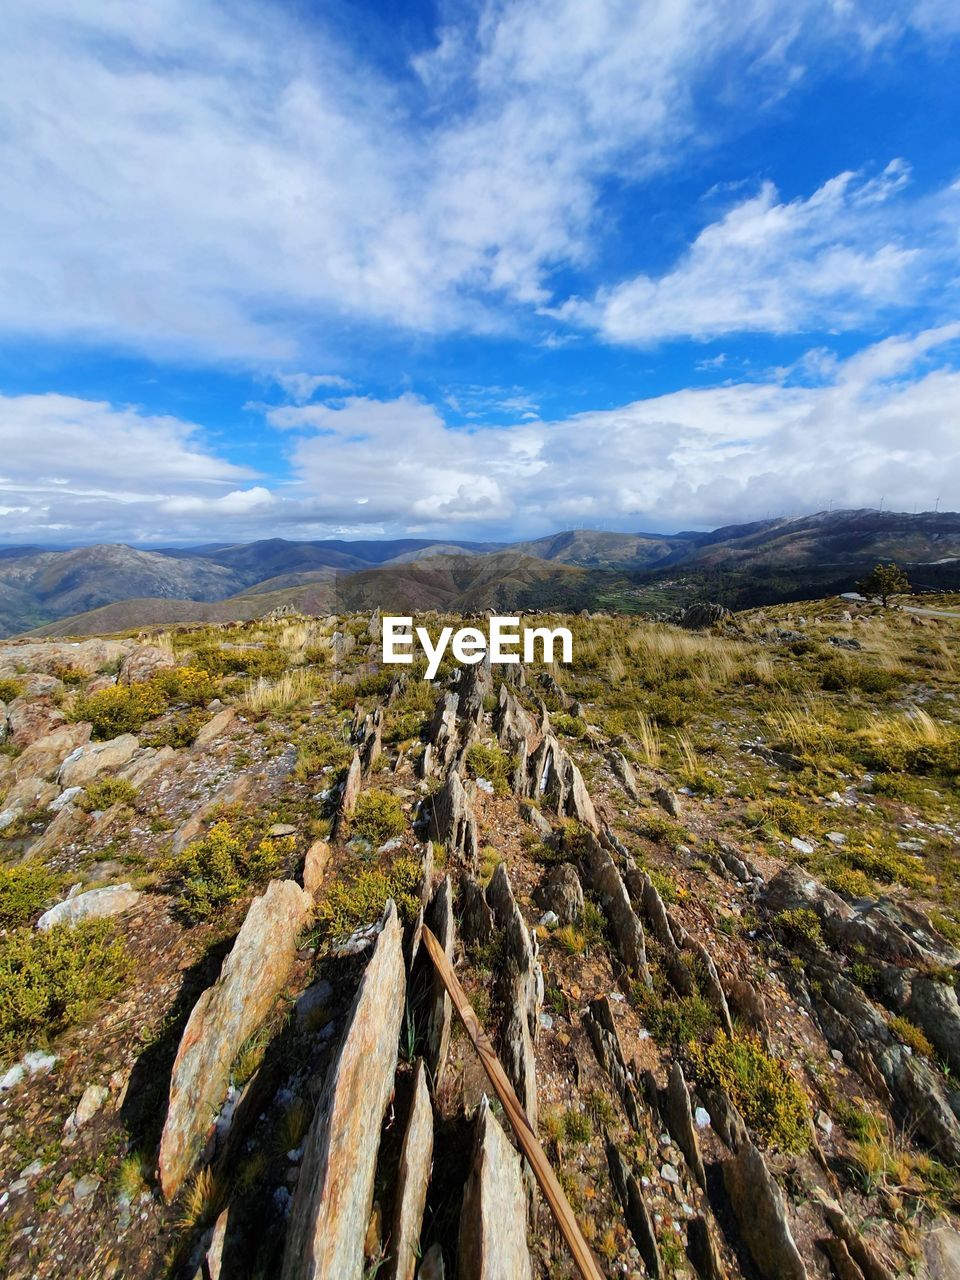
(493, 1226)
(413, 1177)
(331, 1207)
(762, 1216)
(602, 875)
(440, 918)
(222, 1019)
(452, 820)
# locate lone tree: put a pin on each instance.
(884, 581)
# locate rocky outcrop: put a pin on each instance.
(878, 926)
(602, 1032)
(215, 727)
(222, 1019)
(315, 864)
(413, 1177)
(552, 775)
(758, 1204)
(95, 904)
(331, 1207)
(636, 1215)
(452, 820)
(371, 741)
(476, 921)
(440, 918)
(623, 771)
(511, 721)
(852, 1024)
(351, 790)
(493, 1227)
(560, 891)
(604, 879)
(88, 762)
(700, 615)
(230, 792)
(28, 719)
(675, 1108)
(144, 661)
(522, 993)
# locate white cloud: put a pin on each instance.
(832, 261)
(881, 423)
(213, 180)
(301, 387)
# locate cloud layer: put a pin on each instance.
(218, 180)
(880, 424)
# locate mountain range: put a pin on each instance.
(111, 587)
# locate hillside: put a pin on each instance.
(740, 565)
(701, 891)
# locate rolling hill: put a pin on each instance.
(741, 565)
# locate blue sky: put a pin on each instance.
(475, 270)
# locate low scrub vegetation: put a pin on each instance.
(26, 890)
(357, 898)
(52, 980)
(378, 817)
(761, 1087)
(219, 868)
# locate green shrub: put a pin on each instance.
(910, 1034)
(781, 816)
(843, 674)
(352, 901)
(668, 710)
(663, 830)
(673, 1020)
(761, 1087)
(25, 891)
(801, 925)
(178, 730)
(378, 817)
(105, 792)
(218, 868)
(120, 708)
(190, 685)
(51, 980)
(403, 727)
(10, 689)
(321, 751)
(493, 763)
(571, 726)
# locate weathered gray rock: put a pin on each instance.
(675, 1103)
(941, 1251)
(215, 727)
(143, 662)
(560, 891)
(623, 771)
(853, 1025)
(493, 1226)
(869, 1265)
(351, 789)
(522, 993)
(476, 922)
(511, 720)
(315, 865)
(442, 733)
(43, 758)
(29, 719)
(667, 800)
(452, 820)
(883, 928)
(530, 813)
(932, 1005)
(703, 1251)
(758, 1204)
(440, 918)
(413, 1177)
(552, 775)
(702, 614)
(68, 825)
(95, 904)
(85, 763)
(332, 1203)
(604, 879)
(636, 1215)
(222, 1019)
(602, 1032)
(145, 764)
(371, 744)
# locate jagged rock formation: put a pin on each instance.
(334, 1194)
(493, 1231)
(222, 1018)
